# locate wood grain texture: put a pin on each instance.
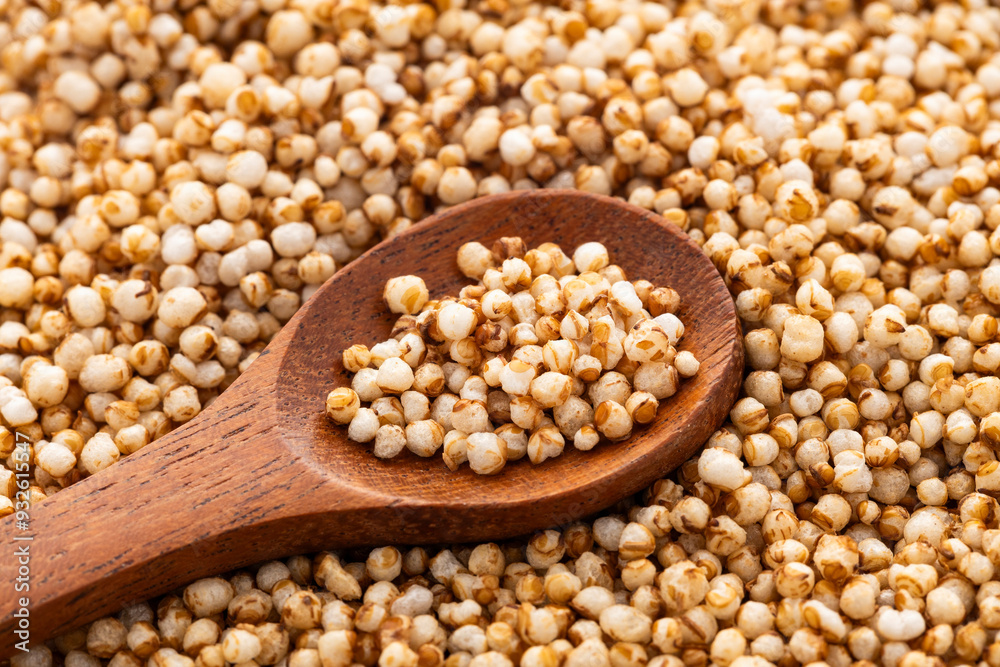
(263, 474)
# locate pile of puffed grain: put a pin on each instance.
(541, 330)
(175, 177)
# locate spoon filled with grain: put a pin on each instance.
(220, 491)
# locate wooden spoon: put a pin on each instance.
(262, 473)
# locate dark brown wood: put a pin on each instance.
(263, 473)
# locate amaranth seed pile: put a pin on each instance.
(176, 177)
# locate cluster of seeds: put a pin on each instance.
(678, 577)
(474, 375)
(177, 177)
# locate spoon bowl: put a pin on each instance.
(262, 473)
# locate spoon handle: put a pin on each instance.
(206, 497)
